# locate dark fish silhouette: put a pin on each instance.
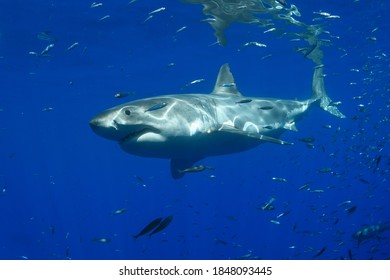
(149, 227)
(162, 225)
(282, 2)
(310, 49)
(350, 254)
(265, 108)
(156, 107)
(244, 101)
(377, 161)
(320, 252)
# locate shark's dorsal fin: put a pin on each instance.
(225, 82)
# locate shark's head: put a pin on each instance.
(133, 121)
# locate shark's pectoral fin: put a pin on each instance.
(178, 164)
(230, 129)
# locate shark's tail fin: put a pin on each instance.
(319, 93)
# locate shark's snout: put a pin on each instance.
(104, 125)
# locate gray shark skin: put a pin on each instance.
(189, 127)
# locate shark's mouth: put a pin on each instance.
(136, 134)
(132, 135)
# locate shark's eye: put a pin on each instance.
(127, 112)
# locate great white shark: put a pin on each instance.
(186, 128)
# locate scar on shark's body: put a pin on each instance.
(186, 128)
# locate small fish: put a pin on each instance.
(351, 209)
(52, 230)
(344, 203)
(67, 251)
(244, 101)
(305, 186)
(123, 94)
(266, 56)
(307, 140)
(209, 20)
(140, 180)
(335, 103)
(229, 85)
(47, 109)
(94, 5)
(153, 224)
(256, 44)
(181, 29)
(156, 107)
(220, 241)
(325, 170)
(283, 214)
(268, 205)
(105, 17)
(102, 240)
(71, 47)
(282, 2)
(46, 36)
(310, 49)
(119, 211)
(265, 108)
(196, 168)
(279, 179)
(162, 225)
(270, 30)
(194, 82)
(157, 10)
(275, 222)
(46, 50)
(320, 252)
(148, 18)
(317, 191)
(377, 161)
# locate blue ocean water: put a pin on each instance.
(68, 194)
